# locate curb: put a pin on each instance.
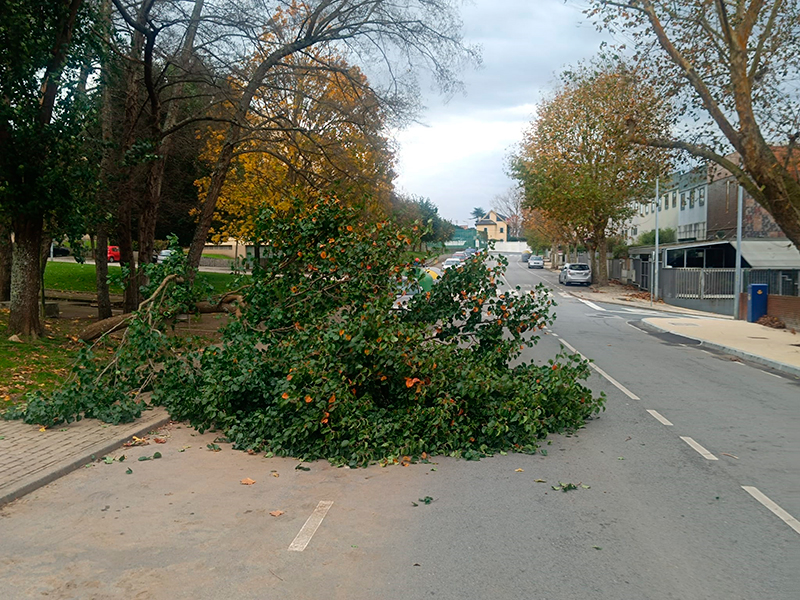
(74, 464)
(790, 370)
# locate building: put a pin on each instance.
(494, 226)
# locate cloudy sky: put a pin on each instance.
(456, 155)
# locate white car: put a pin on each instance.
(536, 262)
(164, 255)
(450, 263)
(579, 273)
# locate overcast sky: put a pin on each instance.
(457, 155)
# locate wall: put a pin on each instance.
(785, 308)
(511, 247)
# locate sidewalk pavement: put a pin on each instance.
(31, 458)
(778, 349)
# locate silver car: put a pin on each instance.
(579, 273)
(536, 262)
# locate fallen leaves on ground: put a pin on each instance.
(159, 440)
(137, 441)
(248, 481)
(276, 513)
(519, 470)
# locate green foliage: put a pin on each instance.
(321, 366)
(321, 363)
(665, 236)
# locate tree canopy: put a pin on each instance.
(731, 67)
(576, 162)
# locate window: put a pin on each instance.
(683, 200)
(674, 199)
(485, 230)
(665, 201)
(701, 196)
(647, 209)
(691, 199)
(634, 231)
(501, 230)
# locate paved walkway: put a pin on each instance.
(31, 458)
(775, 348)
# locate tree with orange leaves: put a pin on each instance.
(577, 163)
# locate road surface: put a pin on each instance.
(687, 489)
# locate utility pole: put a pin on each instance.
(654, 293)
(737, 280)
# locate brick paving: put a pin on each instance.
(31, 458)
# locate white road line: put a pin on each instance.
(310, 528)
(777, 510)
(563, 295)
(702, 451)
(613, 381)
(591, 304)
(660, 418)
(773, 374)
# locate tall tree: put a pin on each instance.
(319, 131)
(734, 67)
(576, 161)
(478, 212)
(44, 48)
(382, 31)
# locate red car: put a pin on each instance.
(113, 254)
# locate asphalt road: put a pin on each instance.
(657, 520)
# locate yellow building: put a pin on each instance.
(494, 226)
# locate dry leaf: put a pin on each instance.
(519, 470)
(539, 481)
(160, 440)
(275, 474)
(248, 481)
(276, 513)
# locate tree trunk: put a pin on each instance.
(25, 276)
(600, 257)
(101, 268)
(5, 261)
(210, 204)
(125, 243)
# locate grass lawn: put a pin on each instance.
(75, 277)
(38, 365)
(217, 256)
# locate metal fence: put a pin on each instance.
(702, 284)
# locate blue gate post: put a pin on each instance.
(756, 301)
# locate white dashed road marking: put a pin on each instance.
(702, 451)
(776, 510)
(591, 304)
(613, 381)
(310, 528)
(660, 418)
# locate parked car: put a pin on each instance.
(536, 262)
(460, 255)
(450, 263)
(113, 254)
(164, 255)
(579, 273)
(59, 251)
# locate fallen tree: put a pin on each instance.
(320, 364)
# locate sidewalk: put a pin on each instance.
(778, 349)
(31, 458)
